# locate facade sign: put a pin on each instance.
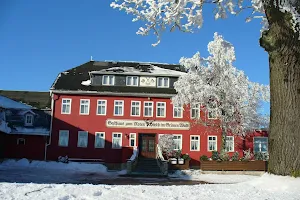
(144, 124)
(147, 81)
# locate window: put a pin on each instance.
(177, 142)
(195, 143)
(229, 145)
(101, 107)
(135, 108)
(20, 141)
(177, 111)
(160, 109)
(108, 80)
(118, 108)
(195, 111)
(28, 120)
(132, 80)
(99, 140)
(163, 82)
(132, 140)
(63, 138)
(82, 139)
(148, 109)
(84, 106)
(117, 141)
(212, 110)
(66, 106)
(212, 143)
(260, 144)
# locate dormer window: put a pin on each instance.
(132, 80)
(108, 80)
(28, 120)
(163, 82)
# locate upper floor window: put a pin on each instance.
(212, 110)
(148, 109)
(177, 111)
(101, 107)
(229, 144)
(260, 144)
(108, 80)
(84, 106)
(195, 111)
(28, 120)
(66, 106)
(163, 82)
(160, 109)
(212, 143)
(119, 108)
(132, 80)
(135, 108)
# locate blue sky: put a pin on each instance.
(39, 39)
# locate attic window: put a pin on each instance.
(108, 80)
(28, 120)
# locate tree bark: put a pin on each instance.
(283, 47)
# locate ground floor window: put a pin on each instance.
(117, 141)
(99, 140)
(63, 140)
(195, 143)
(82, 139)
(229, 144)
(212, 143)
(132, 139)
(177, 142)
(20, 141)
(260, 144)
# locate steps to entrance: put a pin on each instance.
(147, 167)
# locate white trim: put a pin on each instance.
(232, 143)
(131, 81)
(98, 106)
(165, 109)
(68, 132)
(88, 104)
(62, 103)
(163, 86)
(138, 108)
(31, 120)
(21, 139)
(112, 138)
(109, 77)
(209, 140)
(132, 138)
(179, 108)
(195, 140)
(100, 137)
(118, 105)
(87, 139)
(148, 107)
(180, 146)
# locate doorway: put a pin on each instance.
(147, 145)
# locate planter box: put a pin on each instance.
(180, 161)
(186, 165)
(173, 161)
(257, 165)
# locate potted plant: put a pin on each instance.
(173, 161)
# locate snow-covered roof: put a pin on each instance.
(9, 103)
(30, 131)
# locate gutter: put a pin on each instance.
(51, 124)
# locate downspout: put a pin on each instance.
(51, 123)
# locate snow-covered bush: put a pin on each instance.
(204, 158)
(224, 156)
(261, 156)
(248, 155)
(235, 156)
(215, 155)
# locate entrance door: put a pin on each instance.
(147, 145)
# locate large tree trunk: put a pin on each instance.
(283, 46)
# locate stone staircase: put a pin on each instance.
(147, 167)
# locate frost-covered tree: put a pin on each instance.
(280, 38)
(213, 85)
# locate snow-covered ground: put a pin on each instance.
(49, 177)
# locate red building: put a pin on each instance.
(101, 110)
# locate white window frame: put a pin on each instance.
(163, 86)
(31, 117)
(62, 105)
(180, 144)
(193, 140)
(118, 105)
(260, 149)
(131, 81)
(231, 143)
(95, 145)
(165, 108)
(112, 141)
(21, 139)
(105, 106)
(132, 138)
(216, 141)
(179, 109)
(87, 139)
(59, 133)
(84, 104)
(108, 79)
(152, 108)
(195, 107)
(139, 108)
